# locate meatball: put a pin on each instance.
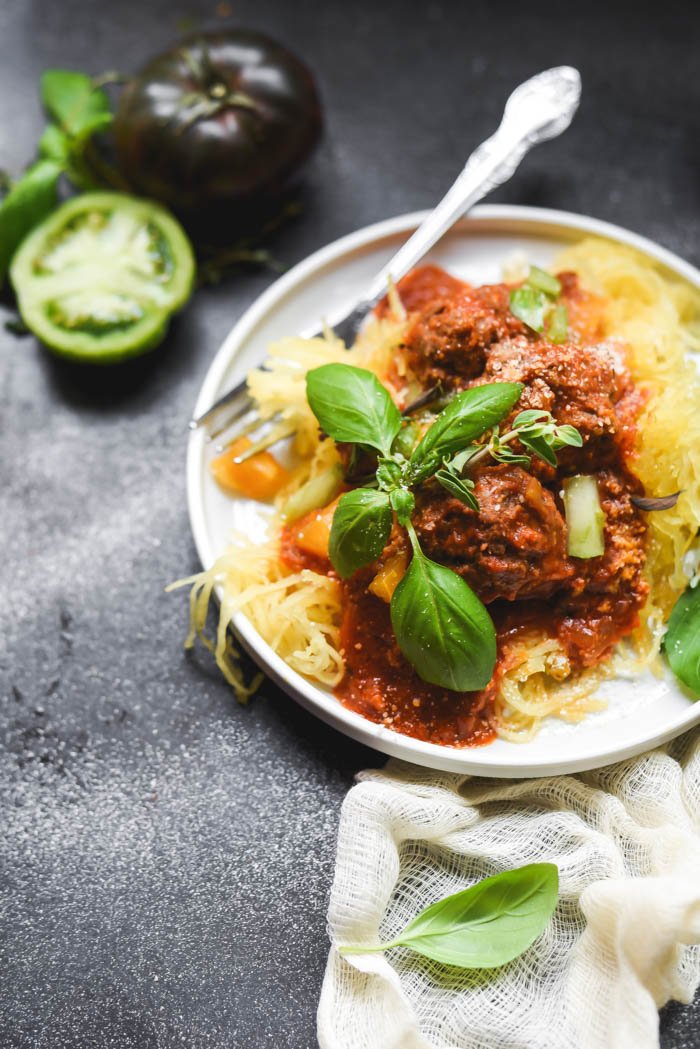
(514, 547)
(579, 385)
(447, 342)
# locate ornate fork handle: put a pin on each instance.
(537, 110)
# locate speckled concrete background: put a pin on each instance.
(166, 854)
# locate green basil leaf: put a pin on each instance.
(529, 306)
(466, 417)
(405, 440)
(682, 640)
(442, 627)
(403, 503)
(360, 530)
(29, 201)
(460, 488)
(352, 405)
(73, 101)
(539, 447)
(389, 474)
(489, 924)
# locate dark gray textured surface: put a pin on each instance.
(166, 854)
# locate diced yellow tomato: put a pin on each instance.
(389, 576)
(312, 532)
(260, 477)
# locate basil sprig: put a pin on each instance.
(441, 626)
(465, 418)
(682, 639)
(352, 406)
(537, 431)
(78, 109)
(485, 926)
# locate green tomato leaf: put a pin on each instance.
(73, 101)
(360, 530)
(54, 144)
(442, 627)
(352, 405)
(489, 924)
(460, 487)
(529, 305)
(682, 640)
(403, 503)
(466, 417)
(29, 201)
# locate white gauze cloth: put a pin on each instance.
(626, 840)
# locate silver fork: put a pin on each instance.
(538, 110)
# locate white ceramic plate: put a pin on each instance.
(641, 713)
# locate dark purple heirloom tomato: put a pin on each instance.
(220, 120)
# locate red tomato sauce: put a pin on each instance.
(513, 551)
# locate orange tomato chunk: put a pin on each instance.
(389, 576)
(312, 533)
(260, 477)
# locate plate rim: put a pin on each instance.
(472, 761)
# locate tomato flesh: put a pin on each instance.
(100, 278)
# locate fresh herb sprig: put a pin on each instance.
(78, 108)
(535, 430)
(485, 926)
(440, 624)
(534, 303)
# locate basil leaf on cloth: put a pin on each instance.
(626, 842)
(486, 925)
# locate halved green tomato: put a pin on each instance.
(99, 279)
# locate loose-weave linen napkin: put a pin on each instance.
(626, 840)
